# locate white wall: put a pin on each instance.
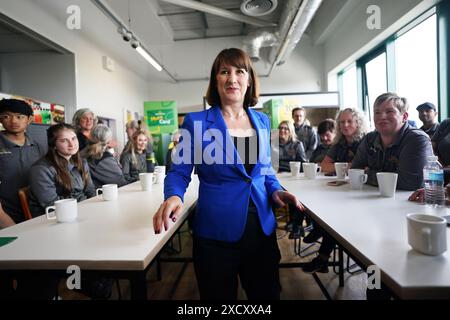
(107, 93)
(302, 73)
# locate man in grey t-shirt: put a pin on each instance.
(395, 146)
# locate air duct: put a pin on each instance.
(257, 40)
(297, 15)
(256, 8)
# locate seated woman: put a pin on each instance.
(290, 149)
(61, 173)
(441, 148)
(103, 167)
(351, 128)
(327, 131)
(84, 120)
(134, 158)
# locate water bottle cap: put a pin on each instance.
(432, 158)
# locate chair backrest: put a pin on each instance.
(23, 196)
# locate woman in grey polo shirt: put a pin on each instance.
(61, 173)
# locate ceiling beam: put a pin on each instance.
(221, 12)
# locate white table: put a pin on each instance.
(373, 230)
(113, 237)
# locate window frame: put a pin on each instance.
(442, 11)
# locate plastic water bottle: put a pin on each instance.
(433, 175)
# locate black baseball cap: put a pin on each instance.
(16, 106)
(426, 105)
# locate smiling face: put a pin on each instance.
(87, 121)
(285, 133)
(232, 84)
(141, 142)
(66, 143)
(348, 125)
(388, 119)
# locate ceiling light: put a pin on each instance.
(149, 58)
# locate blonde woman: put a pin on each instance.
(290, 148)
(134, 158)
(350, 129)
(103, 166)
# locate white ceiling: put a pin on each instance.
(163, 34)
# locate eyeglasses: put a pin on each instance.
(284, 128)
(9, 116)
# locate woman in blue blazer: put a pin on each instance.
(234, 225)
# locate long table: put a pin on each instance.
(373, 230)
(115, 238)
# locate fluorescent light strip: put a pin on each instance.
(149, 58)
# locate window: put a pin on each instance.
(412, 62)
(416, 66)
(350, 88)
(376, 79)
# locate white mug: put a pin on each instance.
(357, 178)
(311, 170)
(159, 177)
(160, 169)
(65, 210)
(108, 191)
(387, 183)
(147, 180)
(295, 168)
(427, 233)
(341, 169)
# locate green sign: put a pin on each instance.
(161, 118)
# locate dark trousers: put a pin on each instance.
(328, 243)
(254, 258)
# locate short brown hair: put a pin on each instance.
(239, 59)
(298, 109)
(400, 103)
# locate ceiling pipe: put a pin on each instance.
(257, 40)
(300, 22)
(119, 24)
(221, 12)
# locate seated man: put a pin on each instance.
(428, 116)
(18, 151)
(393, 147)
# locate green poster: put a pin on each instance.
(161, 118)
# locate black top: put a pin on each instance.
(247, 148)
(83, 141)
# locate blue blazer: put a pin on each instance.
(225, 187)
